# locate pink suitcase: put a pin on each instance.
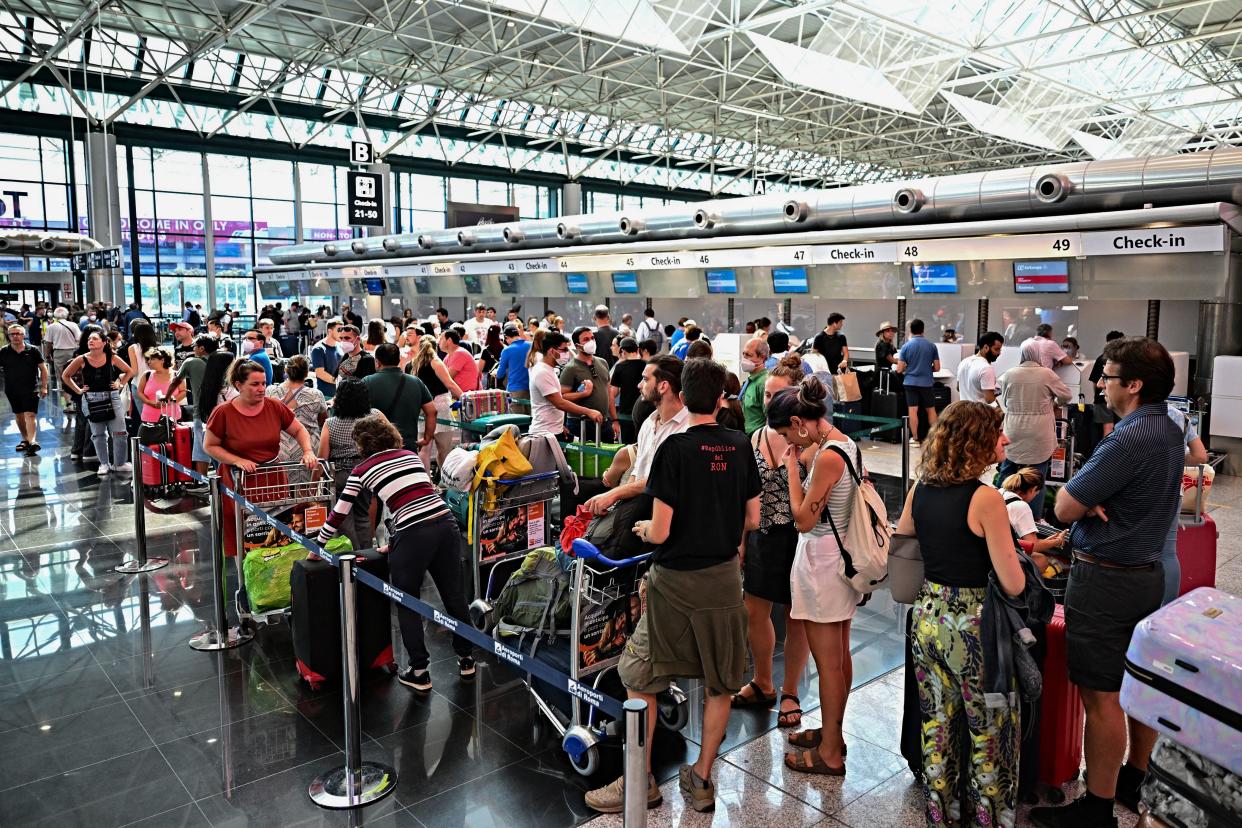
(1184, 674)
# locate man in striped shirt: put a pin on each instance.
(1122, 504)
(424, 538)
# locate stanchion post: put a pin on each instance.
(220, 638)
(358, 783)
(635, 771)
(141, 563)
(905, 455)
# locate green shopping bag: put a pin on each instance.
(267, 568)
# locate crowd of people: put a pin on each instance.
(752, 487)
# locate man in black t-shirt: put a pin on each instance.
(831, 345)
(25, 383)
(706, 488)
(1101, 413)
(627, 373)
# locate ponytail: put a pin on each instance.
(536, 347)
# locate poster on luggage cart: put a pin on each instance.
(510, 530)
(501, 532)
(257, 534)
(603, 629)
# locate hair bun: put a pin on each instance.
(812, 391)
(790, 361)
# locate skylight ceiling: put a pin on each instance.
(822, 92)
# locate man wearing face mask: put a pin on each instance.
(754, 356)
(976, 379)
(548, 404)
(252, 349)
(585, 381)
(355, 362)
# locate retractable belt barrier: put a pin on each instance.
(509, 655)
(359, 783)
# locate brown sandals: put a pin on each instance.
(809, 761)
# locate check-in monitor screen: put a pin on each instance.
(508, 283)
(422, 284)
(1041, 277)
(721, 281)
(934, 278)
(577, 283)
(625, 283)
(375, 287)
(473, 284)
(789, 280)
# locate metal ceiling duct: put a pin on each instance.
(737, 216)
(532, 233)
(439, 239)
(30, 243)
(601, 228)
(664, 223)
(482, 237)
(1079, 187)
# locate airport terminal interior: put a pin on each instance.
(930, 212)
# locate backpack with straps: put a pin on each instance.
(868, 537)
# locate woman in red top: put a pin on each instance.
(245, 432)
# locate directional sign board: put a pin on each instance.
(365, 199)
(360, 152)
(96, 259)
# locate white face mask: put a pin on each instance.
(346, 347)
(249, 346)
(562, 358)
(588, 347)
(748, 366)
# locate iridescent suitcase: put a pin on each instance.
(1184, 674)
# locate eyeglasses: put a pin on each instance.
(1107, 377)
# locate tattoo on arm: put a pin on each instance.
(818, 505)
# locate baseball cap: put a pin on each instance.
(181, 324)
(510, 330)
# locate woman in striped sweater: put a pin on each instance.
(424, 537)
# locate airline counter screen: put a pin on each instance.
(1041, 277)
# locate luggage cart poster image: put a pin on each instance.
(510, 530)
(305, 519)
(604, 629)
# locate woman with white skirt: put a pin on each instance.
(821, 597)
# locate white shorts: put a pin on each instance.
(444, 411)
(818, 591)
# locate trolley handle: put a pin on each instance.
(506, 481)
(588, 551)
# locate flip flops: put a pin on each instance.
(809, 761)
(759, 699)
(789, 718)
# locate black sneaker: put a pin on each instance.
(465, 667)
(1075, 815)
(1129, 786)
(418, 679)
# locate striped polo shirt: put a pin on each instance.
(398, 479)
(1135, 473)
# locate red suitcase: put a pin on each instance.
(1196, 552)
(1061, 712)
(182, 451)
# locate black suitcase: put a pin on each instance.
(1186, 788)
(889, 404)
(942, 395)
(316, 620)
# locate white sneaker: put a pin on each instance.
(125, 468)
(103, 469)
(914, 442)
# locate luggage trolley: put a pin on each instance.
(605, 606)
(289, 492)
(511, 517)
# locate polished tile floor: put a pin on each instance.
(108, 718)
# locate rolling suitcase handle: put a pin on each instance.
(582, 431)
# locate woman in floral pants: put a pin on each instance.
(963, 532)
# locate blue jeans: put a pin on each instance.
(1008, 467)
(1172, 567)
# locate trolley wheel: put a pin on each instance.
(587, 762)
(248, 625)
(672, 714)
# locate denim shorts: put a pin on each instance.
(198, 454)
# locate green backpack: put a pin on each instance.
(536, 598)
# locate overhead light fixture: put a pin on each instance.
(370, 24)
(754, 113)
(510, 24)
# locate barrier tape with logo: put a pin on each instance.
(509, 655)
(171, 463)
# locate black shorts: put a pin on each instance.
(23, 402)
(769, 559)
(1103, 605)
(920, 396)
